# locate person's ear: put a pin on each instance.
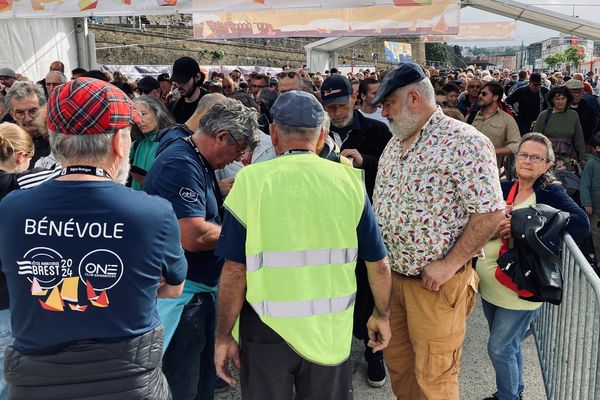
(221, 137)
(321, 139)
(274, 135)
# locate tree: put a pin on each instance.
(574, 55)
(437, 52)
(554, 59)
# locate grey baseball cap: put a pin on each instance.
(297, 108)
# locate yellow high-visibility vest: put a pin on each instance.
(301, 213)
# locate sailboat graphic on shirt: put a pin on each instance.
(57, 298)
(100, 300)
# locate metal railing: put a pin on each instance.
(567, 336)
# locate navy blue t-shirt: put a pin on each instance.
(83, 260)
(232, 242)
(180, 176)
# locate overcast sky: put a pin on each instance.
(527, 33)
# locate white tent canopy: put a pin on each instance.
(538, 16)
(323, 54)
(45, 41)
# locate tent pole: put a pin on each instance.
(81, 31)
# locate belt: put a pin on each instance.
(460, 271)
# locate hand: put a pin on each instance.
(226, 185)
(137, 177)
(588, 209)
(435, 274)
(379, 332)
(504, 227)
(357, 159)
(226, 349)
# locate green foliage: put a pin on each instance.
(217, 54)
(437, 52)
(554, 59)
(573, 56)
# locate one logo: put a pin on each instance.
(99, 172)
(46, 265)
(188, 195)
(102, 268)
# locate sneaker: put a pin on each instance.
(495, 396)
(220, 385)
(375, 373)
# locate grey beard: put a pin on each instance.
(123, 171)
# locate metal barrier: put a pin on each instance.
(567, 336)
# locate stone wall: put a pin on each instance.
(162, 44)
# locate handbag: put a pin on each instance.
(501, 275)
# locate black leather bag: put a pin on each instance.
(534, 262)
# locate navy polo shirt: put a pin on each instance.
(179, 175)
(83, 261)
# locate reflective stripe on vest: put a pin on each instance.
(307, 308)
(291, 259)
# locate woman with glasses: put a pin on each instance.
(509, 316)
(561, 125)
(154, 118)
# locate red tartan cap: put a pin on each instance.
(86, 106)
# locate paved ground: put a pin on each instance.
(477, 379)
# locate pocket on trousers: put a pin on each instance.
(443, 357)
(472, 290)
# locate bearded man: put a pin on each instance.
(362, 140)
(438, 201)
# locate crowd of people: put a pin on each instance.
(305, 208)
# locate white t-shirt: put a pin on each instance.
(376, 116)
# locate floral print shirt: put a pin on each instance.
(423, 198)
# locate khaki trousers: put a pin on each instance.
(428, 329)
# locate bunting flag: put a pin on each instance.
(392, 20)
(388, 11)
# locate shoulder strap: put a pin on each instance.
(471, 117)
(509, 202)
(135, 146)
(548, 116)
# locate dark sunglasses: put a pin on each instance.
(289, 74)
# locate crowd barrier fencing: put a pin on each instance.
(567, 336)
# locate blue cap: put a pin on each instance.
(402, 75)
(336, 89)
(297, 108)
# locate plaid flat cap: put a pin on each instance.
(90, 106)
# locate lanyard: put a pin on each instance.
(85, 170)
(295, 151)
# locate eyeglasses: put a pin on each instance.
(483, 93)
(53, 84)
(289, 74)
(532, 157)
(32, 112)
(241, 149)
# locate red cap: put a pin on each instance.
(89, 106)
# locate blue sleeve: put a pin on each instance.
(175, 264)
(370, 243)
(585, 185)
(232, 242)
(185, 191)
(579, 223)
